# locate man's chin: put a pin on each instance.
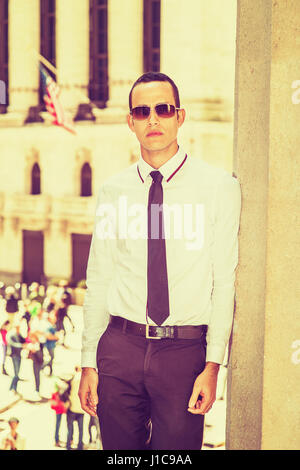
(155, 146)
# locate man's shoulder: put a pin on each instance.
(208, 171)
(126, 176)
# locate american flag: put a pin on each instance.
(51, 93)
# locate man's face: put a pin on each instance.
(155, 133)
(13, 425)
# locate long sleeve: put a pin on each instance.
(225, 260)
(100, 271)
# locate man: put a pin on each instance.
(13, 440)
(12, 304)
(36, 355)
(17, 343)
(51, 339)
(161, 274)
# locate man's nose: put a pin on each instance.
(153, 118)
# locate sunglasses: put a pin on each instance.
(163, 110)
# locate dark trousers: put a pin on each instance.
(17, 364)
(37, 367)
(71, 418)
(57, 426)
(142, 379)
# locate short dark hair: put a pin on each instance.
(155, 77)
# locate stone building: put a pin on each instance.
(98, 48)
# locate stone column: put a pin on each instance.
(264, 373)
(24, 43)
(72, 51)
(197, 45)
(125, 49)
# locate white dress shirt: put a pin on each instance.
(201, 207)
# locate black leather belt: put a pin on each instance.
(158, 332)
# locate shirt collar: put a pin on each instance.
(168, 169)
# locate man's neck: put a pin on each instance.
(157, 158)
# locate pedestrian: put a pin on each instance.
(39, 324)
(3, 334)
(94, 423)
(64, 293)
(59, 403)
(36, 294)
(75, 412)
(51, 339)
(61, 315)
(12, 304)
(36, 355)
(13, 440)
(26, 314)
(158, 309)
(34, 308)
(49, 304)
(17, 343)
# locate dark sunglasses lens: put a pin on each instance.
(141, 112)
(165, 110)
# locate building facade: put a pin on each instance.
(49, 178)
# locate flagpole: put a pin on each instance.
(46, 63)
(54, 70)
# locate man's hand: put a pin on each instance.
(204, 385)
(88, 390)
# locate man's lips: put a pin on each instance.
(154, 133)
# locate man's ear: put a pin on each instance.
(130, 122)
(180, 117)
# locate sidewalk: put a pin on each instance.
(214, 432)
(65, 361)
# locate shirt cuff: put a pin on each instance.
(215, 354)
(88, 359)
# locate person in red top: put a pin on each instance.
(59, 403)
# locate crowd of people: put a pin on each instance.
(34, 324)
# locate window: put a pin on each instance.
(4, 55)
(48, 43)
(98, 84)
(86, 180)
(151, 35)
(36, 179)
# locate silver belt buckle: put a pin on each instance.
(147, 333)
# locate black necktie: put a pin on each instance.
(158, 291)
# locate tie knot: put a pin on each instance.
(156, 176)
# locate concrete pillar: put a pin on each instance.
(264, 371)
(72, 46)
(196, 51)
(24, 43)
(125, 54)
